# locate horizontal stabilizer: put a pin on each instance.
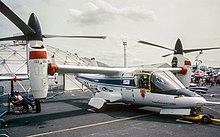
(175, 111)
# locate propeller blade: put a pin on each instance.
(27, 30)
(21, 37)
(155, 45)
(201, 49)
(167, 55)
(64, 36)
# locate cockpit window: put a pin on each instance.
(162, 82)
(165, 82)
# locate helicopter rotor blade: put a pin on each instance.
(167, 55)
(69, 36)
(201, 49)
(155, 45)
(27, 30)
(21, 37)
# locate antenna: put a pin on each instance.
(198, 62)
(125, 53)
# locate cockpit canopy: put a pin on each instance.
(163, 82)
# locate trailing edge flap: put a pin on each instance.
(97, 102)
(175, 111)
(110, 96)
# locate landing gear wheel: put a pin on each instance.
(38, 105)
(206, 119)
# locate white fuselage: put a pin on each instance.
(125, 86)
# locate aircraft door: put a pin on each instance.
(143, 87)
(127, 88)
(142, 81)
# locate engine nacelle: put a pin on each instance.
(184, 63)
(38, 64)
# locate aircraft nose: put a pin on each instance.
(200, 101)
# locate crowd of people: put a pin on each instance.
(207, 80)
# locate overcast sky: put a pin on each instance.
(195, 22)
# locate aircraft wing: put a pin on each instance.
(173, 70)
(15, 77)
(93, 70)
(19, 77)
(106, 70)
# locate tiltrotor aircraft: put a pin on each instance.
(156, 88)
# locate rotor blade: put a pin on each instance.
(65, 36)
(21, 37)
(167, 55)
(155, 45)
(27, 30)
(201, 49)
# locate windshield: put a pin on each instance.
(164, 82)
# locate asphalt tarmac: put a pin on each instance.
(67, 115)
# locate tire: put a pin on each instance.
(38, 105)
(206, 119)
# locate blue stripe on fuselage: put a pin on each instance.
(116, 81)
